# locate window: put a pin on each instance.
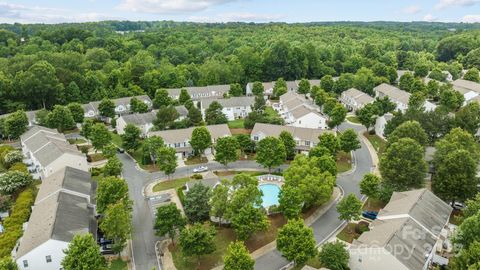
(255, 138)
(48, 258)
(177, 145)
(307, 143)
(25, 263)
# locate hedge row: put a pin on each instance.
(13, 224)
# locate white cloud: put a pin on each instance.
(442, 4)
(168, 6)
(237, 17)
(429, 18)
(10, 13)
(471, 19)
(412, 10)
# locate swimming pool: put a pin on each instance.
(270, 194)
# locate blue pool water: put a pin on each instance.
(270, 194)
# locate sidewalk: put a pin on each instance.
(373, 153)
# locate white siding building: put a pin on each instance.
(470, 90)
(399, 97)
(201, 92)
(180, 138)
(305, 138)
(49, 151)
(354, 99)
(233, 108)
(122, 106)
(405, 235)
(62, 209)
(297, 111)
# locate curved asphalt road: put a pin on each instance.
(143, 235)
(328, 223)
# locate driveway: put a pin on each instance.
(143, 235)
(328, 223)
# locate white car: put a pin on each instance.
(200, 169)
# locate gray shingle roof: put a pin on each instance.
(229, 102)
(125, 101)
(139, 119)
(305, 134)
(461, 84)
(393, 93)
(422, 205)
(182, 111)
(68, 178)
(198, 90)
(359, 96)
(58, 217)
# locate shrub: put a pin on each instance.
(5, 202)
(84, 149)
(13, 224)
(181, 195)
(19, 166)
(11, 181)
(96, 171)
(4, 149)
(12, 157)
(361, 227)
(196, 176)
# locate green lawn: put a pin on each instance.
(117, 139)
(236, 123)
(196, 160)
(271, 112)
(348, 233)
(118, 264)
(353, 119)
(378, 143)
(175, 183)
(344, 162)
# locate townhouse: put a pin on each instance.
(305, 138)
(122, 106)
(298, 111)
(63, 208)
(268, 86)
(407, 234)
(470, 90)
(399, 97)
(354, 99)
(179, 139)
(48, 151)
(144, 121)
(201, 92)
(233, 107)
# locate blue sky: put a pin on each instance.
(54, 11)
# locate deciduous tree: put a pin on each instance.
(107, 108)
(289, 142)
(226, 150)
(270, 152)
(83, 253)
(77, 112)
(237, 257)
(168, 220)
(296, 242)
(117, 224)
(110, 190)
(214, 114)
(197, 240)
(201, 140)
(196, 206)
(131, 137)
(167, 160)
(349, 141)
(403, 166)
(100, 136)
(334, 256)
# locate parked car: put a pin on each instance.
(458, 205)
(106, 249)
(370, 214)
(120, 150)
(200, 169)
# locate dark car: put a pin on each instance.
(120, 150)
(370, 214)
(106, 249)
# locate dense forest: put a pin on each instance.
(43, 65)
